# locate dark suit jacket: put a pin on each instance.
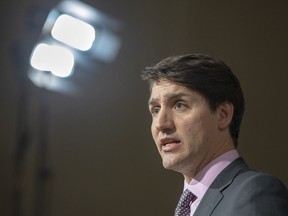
(240, 191)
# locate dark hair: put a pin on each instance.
(209, 76)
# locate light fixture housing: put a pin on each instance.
(81, 32)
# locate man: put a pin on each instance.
(197, 104)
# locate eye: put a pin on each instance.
(154, 110)
(179, 105)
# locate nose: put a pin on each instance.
(164, 121)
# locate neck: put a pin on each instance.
(227, 145)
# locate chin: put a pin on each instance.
(177, 164)
(170, 164)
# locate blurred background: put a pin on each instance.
(98, 156)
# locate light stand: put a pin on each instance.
(43, 73)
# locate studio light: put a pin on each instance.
(56, 59)
(73, 33)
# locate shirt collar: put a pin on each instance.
(207, 175)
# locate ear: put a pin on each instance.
(225, 111)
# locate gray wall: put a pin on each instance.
(99, 144)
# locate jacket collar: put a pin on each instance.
(214, 194)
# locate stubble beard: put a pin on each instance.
(174, 162)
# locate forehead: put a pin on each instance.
(165, 87)
(166, 90)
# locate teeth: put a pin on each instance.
(169, 142)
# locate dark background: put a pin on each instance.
(101, 156)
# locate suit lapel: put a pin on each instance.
(209, 202)
(214, 194)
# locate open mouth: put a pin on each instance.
(169, 144)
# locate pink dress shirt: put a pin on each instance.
(207, 175)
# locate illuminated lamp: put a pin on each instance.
(56, 59)
(73, 34)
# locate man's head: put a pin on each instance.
(209, 76)
(196, 105)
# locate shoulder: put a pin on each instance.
(239, 190)
(239, 174)
(257, 192)
(253, 181)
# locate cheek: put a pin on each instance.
(153, 131)
(193, 130)
(200, 131)
(155, 136)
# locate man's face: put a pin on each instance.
(184, 128)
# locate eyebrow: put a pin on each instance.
(170, 96)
